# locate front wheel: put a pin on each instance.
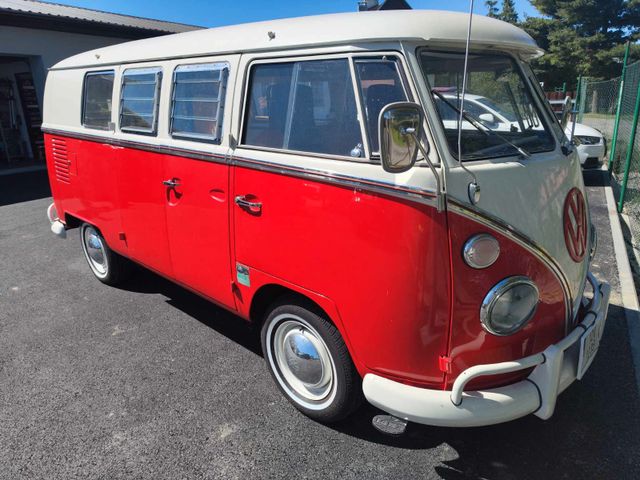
(106, 265)
(310, 362)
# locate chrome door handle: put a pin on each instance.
(251, 207)
(172, 183)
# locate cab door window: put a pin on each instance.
(306, 106)
(380, 83)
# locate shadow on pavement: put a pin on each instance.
(22, 187)
(593, 433)
(595, 178)
(207, 313)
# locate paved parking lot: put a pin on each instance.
(150, 381)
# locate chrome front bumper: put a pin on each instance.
(554, 370)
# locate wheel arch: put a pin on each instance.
(272, 290)
(71, 221)
(271, 293)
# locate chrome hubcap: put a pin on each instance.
(303, 360)
(95, 251)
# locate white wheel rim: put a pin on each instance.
(94, 251)
(301, 361)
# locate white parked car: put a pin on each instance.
(590, 143)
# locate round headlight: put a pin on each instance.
(481, 251)
(509, 305)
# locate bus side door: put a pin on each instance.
(197, 181)
(141, 167)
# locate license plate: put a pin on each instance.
(589, 343)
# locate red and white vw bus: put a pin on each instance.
(306, 174)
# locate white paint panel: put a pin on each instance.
(343, 28)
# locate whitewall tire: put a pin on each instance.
(309, 361)
(106, 265)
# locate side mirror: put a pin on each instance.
(399, 130)
(487, 118)
(566, 112)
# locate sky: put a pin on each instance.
(213, 13)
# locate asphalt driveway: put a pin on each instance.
(151, 381)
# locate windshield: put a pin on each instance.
(497, 99)
(510, 116)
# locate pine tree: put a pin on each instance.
(508, 13)
(492, 8)
(582, 37)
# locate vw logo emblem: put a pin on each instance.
(575, 224)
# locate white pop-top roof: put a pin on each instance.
(321, 30)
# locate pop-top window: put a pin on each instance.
(97, 98)
(198, 100)
(303, 106)
(500, 116)
(139, 100)
(380, 84)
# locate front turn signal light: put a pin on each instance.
(481, 251)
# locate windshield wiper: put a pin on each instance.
(480, 126)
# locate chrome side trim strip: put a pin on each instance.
(147, 147)
(422, 196)
(507, 230)
(427, 197)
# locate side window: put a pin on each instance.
(304, 106)
(96, 101)
(197, 101)
(380, 84)
(139, 100)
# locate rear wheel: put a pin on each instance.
(106, 265)
(310, 362)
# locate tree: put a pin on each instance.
(508, 13)
(492, 8)
(582, 37)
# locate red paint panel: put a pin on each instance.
(59, 190)
(198, 226)
(470, 344)
(91, 192)
(382, 261)
(142, 205)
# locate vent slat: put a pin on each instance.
(61, 161)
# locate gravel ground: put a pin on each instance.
(150, 381)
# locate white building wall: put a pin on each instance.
(48, 47)
(43, 49)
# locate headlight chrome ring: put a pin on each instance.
(523, 295)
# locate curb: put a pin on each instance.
(627, 286)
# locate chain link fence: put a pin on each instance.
(611, 106)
